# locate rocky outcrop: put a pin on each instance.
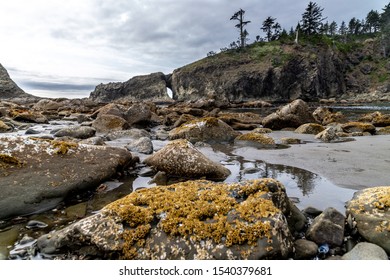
(36, 175)
(8, 88)
(370, 209)
(146, 87)
(180, 158)
(190, 220)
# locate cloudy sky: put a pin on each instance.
(65, 48)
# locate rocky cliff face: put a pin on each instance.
(268, 71)
(8, 88)
(146, 87)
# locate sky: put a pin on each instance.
(63, 48)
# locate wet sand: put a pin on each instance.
(357, 164)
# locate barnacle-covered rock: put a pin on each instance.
(190, 220)
(370, 208)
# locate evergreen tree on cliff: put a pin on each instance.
(271, 28)
(385, 28)
(312, 19)
(240, 25)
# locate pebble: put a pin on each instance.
(33, 224)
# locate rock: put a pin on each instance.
(260, 140)
(366, 251)
(327, 228)
(107, 123)
(142, 145)
(36, 175)
(145, 87)
(111, 109)
(28, 116)
(351, 127)
(262, 130)
(97, 140)
(180, 158)
(243, 118)
(8, 88)
(290, 141)
(4, 127)
(384, 131)
(370, 208)
(310, 128)
(47, 105)
(305, 249)
(377, 119)
(325, 116)
(293, 115)
(79, 132)
(210, 130)
(184, 118)
(138, 114)
(328, 135)
(133, 133)
(190, 220)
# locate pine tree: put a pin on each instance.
(333, 28)
(243, 32)
(373, 21)
(385, 29)
(312, 19)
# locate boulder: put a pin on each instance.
(180, 158)
(370, 208)
(4, 127)
(79, 132)
(211, 130)
(260, 140)
(28, 116)
(377, 119)
(366, 251)
(325, 116)
(142, 145)
(384, 131)
(351, 127)
(310, 128)
(138, 114)
(133, 133)
(305, 249)
(328, 135)
(191, 220)
(47, 105)
(327, 228)
(36, 175)
(110, 109)
(107, 123)
(292, 115)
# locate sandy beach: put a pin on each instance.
(357, 164)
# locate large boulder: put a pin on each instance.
(145, 87)
(361, 127)
(36, 175)
(366, 251)
(190, 220)
(377, 118)
(180, 158)
(370, 208)
(292, 115)
(211, 130)
(326, 116)
(79, 132)
(108, 123)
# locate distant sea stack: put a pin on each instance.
(151, 87)
(8, 88)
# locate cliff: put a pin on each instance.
(267, 71)
(8, 88)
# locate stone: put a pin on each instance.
(180, 158)
(209, 130)
(28, 116)
(384, 131)
(260, 140)
(351, 127)
(325, 116)
(193, 220)
(293, 115)
(327, 228)
(8, 88)
(108, 123)
(377, 118)
(47, 105)
(366, 251)
(133, 133)
(305, 249)
(37, 175)
(79, 132)
(370, 209)
(290, 141)
(142, 145)
(310, 128)
(328, 135)
(138, 114)
(4, 127)
(110, 109)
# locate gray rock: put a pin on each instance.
(180, 158)
(138, 114)
(8, 88)
(292, 115)
(142, 145)
(305, 249)
(97, 140)
(366, 251)
(36, 175)
(133, 133)
(327, 228)
(370, 209)
(79, 132)
(328, 135)
(107, 123)
(217, 221)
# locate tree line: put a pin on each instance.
(313, 23)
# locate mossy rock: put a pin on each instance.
(310, 128)
(260, 140)
(4, 127)
(189, 220)
(377, 119)
(370, 208)
(384, 131)
(210, 130)
(351, 127)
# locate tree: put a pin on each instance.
(325, 29)
(271, 28)
(373, 21)
(354, 26)
(385, 29)
(333, 28)
(240, 25)
(312, 19)
(343, 29)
